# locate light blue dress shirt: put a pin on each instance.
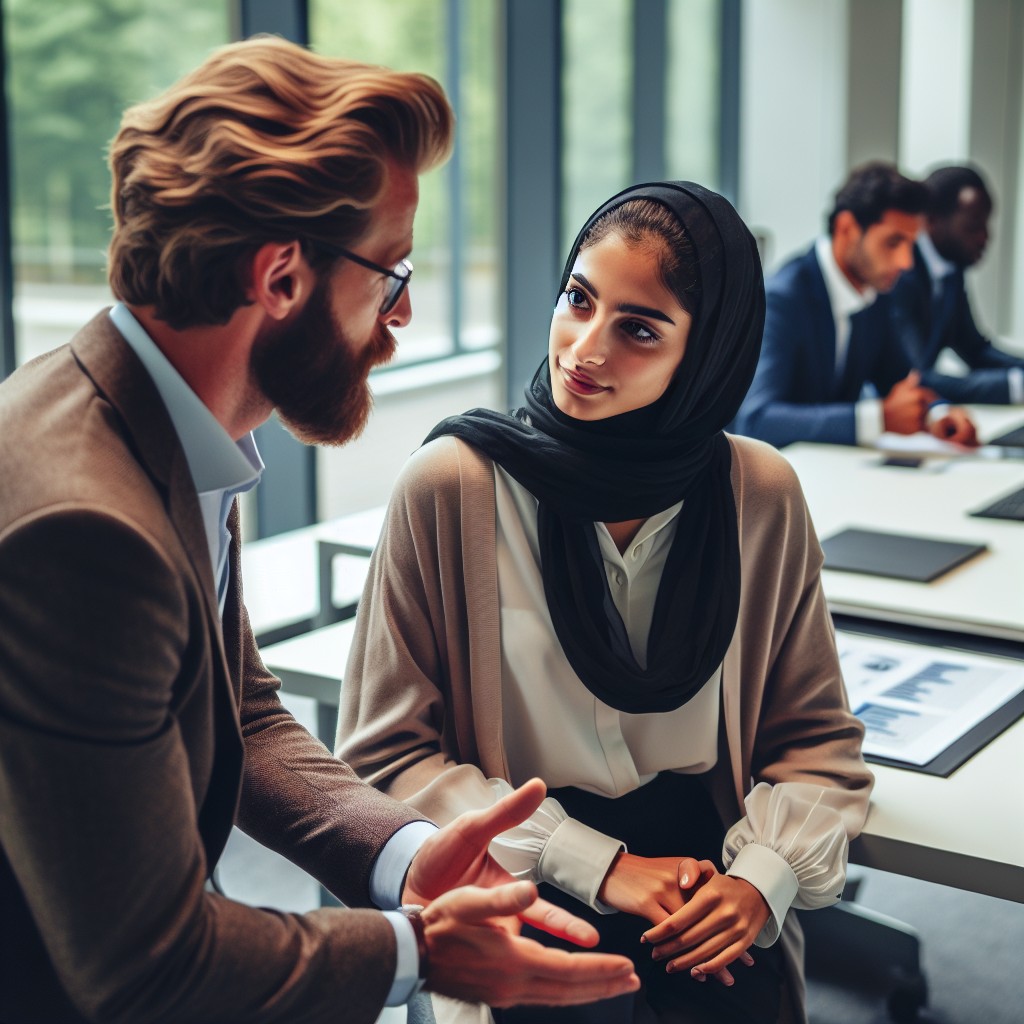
(222, 469)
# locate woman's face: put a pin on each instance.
(617, 334)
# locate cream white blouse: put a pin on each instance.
(790, 844)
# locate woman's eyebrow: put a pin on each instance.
(626, 307)
(586, 284)
(653, 314)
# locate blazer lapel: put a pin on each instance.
(822, 354)
(120, 377)
(940, 310)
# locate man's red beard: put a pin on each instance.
(313, 376)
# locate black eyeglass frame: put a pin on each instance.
(399, 275)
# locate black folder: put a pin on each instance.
(898, 556)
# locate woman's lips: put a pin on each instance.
(580, 383)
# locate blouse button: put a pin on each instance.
(619, 578)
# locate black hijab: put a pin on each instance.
(635, 464)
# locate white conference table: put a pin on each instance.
(966, 830)
(850, 487)
(281, 574)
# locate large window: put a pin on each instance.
(454, 291)
(693, 96)
(608, 48)
(597, 138)
(71, 70)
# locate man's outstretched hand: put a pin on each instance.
(473, 913)
(473, 955)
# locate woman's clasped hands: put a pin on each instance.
(703, 920)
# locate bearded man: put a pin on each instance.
(263, 212)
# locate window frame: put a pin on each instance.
(530, 194)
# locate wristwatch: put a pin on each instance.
(412, 913)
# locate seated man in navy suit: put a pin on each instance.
(929, 305)
(827, 331)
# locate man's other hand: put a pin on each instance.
(472, 955)
(472, 915)
(905, 407)
(954, 424)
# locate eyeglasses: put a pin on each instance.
(399, 276)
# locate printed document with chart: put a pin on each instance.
(915, 700)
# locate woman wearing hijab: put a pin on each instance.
(605, 590)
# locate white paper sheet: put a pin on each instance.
(921, 444)
(916, 700)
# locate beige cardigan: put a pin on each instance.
(421, 703)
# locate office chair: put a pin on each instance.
(855, 947)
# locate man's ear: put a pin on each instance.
(846, 224)
(846, 232)
(280, 279)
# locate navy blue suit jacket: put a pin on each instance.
(923, 332)
(795, 395)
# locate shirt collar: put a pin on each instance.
(938, 266)
(652, 526)
(215, 461)
(843, 297)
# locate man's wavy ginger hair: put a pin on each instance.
(264, 142)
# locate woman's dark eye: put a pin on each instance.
(639, 331)
(576, 297)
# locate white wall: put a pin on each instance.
(792, 118)
(361, 474)
(935, 93)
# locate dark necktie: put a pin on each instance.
(942, 312)
(851, 376)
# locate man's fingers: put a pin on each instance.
(471, 904)
(483, 962)
(556, 978)
(558, 922)
(480, 827)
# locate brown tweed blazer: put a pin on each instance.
(134, 732)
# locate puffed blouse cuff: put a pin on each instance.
(791, 846)
(552, 847)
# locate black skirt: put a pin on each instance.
(672, 816)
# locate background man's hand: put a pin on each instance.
(954, 425)
(905, 407)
